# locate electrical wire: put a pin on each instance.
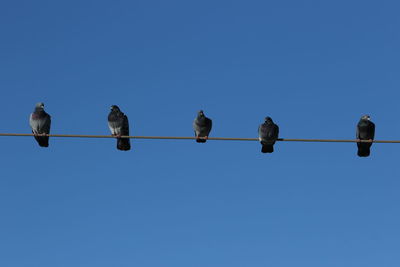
(209, 138)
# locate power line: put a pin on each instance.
(209, 138)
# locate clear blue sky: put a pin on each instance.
(314, 66)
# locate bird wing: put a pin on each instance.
(125, 126)
(46, 124)
(372, 129)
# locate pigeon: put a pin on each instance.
(40, 122)
(202, 127)
(365, 131)
(119, 126)
(268, 134)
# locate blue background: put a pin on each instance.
(314, 66)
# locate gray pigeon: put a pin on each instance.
(202, 127)
(365, 131)
(40, 123)
(119, 126)
(268, 134)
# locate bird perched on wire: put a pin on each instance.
(268, 134)
(365, 131)
(40, 123)
(202, 127)
(119, 126)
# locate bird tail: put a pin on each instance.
(363, 151)
(43, 141)
(123, 144)
(267, 149)
(200, 140)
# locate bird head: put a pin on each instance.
(39, 106)
(200, 113)
(114, 108)
(366, 117)
(268, 119)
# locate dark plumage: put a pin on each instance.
(40, 123)
(202, 127)
(365, 131)
(119, 126)
(268, 133)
